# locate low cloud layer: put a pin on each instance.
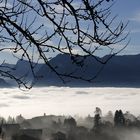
(82, 92)
(3, 105)
(20, 97)
(68, 101)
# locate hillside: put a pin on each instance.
(120, 71)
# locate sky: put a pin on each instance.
(127, 10)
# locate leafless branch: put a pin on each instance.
(37, 27)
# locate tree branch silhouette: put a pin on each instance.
(38, 28)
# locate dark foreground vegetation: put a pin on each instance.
(117, 126)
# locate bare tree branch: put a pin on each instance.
(38, 27)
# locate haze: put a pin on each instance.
(67, 101)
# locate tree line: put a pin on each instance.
(117, 126)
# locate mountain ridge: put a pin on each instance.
(120, 71)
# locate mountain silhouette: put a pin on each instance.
(120, 71)
(3, 83)
(65, 65)
(5, 68)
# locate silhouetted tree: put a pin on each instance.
(19, 119)
(10, 120)
(2, 120)
(98, 111)
(97, 120)
(119, 119)
(37, 30)
(70, 123)
(109, 117)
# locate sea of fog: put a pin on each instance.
(67, 101)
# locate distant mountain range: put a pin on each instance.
(3, 83)
(120, 71)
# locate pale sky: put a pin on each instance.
(127, 10)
